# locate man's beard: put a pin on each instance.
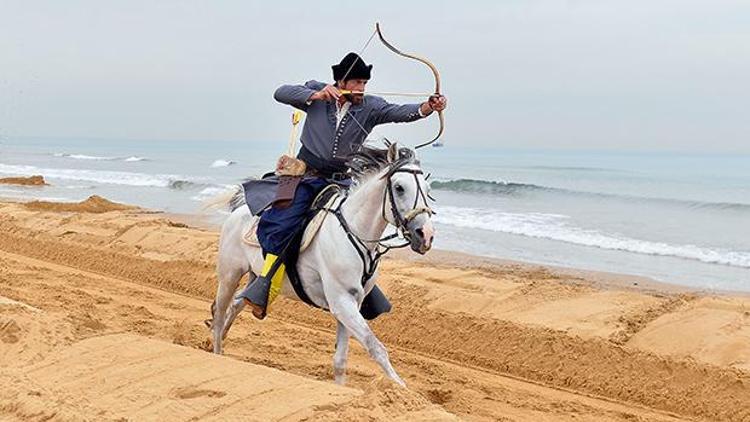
(355, 99)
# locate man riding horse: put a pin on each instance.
(339, 119)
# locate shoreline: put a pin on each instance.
(446, 257)
(602, 279)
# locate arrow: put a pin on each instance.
(388, 94)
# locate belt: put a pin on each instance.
(322, 168)
(335, 176)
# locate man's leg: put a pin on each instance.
(276, 228)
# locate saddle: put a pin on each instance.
(327, 200)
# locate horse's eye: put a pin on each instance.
(399, 189)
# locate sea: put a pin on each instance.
(681, 218)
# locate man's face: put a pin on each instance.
(357, 85)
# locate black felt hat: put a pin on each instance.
(351, 67)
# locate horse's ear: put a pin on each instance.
(393, 152)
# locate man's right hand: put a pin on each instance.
(329, 93)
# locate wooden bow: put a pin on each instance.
(434, 72)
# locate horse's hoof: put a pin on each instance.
(399, 381)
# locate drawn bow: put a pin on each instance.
(434, 72)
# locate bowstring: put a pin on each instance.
(379, 253)
(359, 57)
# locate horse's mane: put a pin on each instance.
(370, 160)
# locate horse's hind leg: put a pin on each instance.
(341, 354)
(230, 268)
(234, 309)
(347, 313)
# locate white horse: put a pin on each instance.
(389, 188)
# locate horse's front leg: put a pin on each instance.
(346, 310)
(341, 354)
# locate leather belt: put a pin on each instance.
(335, 176)
(322, 168)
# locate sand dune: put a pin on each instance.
(114, 302)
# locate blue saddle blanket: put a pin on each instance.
(260, 193)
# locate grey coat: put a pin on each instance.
(320, 135)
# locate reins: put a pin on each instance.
(371, 257)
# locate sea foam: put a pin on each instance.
(557, 227)
(104, 176)
(211, 191)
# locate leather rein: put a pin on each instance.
(371, 257)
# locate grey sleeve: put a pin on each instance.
(385, 112)
(297, 95)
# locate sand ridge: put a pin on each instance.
(503, 342)
(93, 204)
(24, 181)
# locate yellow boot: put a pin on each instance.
(266, 287)
(277, 278)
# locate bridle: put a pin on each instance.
(403, 220)
(371, 257)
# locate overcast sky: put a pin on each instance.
(634, 75)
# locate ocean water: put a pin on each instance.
(678, 218)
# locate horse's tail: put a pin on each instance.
(232, 199)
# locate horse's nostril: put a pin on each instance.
(420, 232)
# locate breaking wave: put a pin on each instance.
(135, 158)
(99, 158)
(106, 177)
(85, 157)
(223, 163)
(516, 189)
(556, 227)
(485, 186)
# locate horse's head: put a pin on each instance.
(406, 198)
(406, 192)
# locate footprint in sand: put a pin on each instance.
(191, 393)
(9, 331)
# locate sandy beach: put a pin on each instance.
(102, 308)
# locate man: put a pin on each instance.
(336, 125)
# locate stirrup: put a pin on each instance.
(256, 295)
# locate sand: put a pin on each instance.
(101, 318)
(24, 181)
(93, 204)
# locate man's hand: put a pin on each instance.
(329, 93)
(435, 103)
(290, 166)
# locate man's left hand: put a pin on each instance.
(437, 102)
